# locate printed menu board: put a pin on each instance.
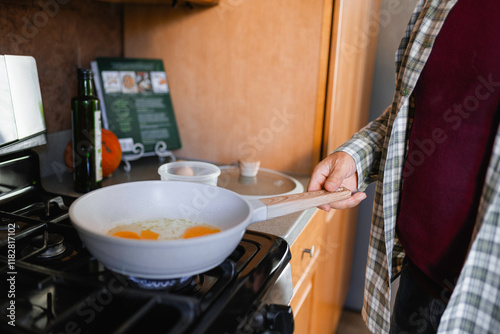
(136, 103)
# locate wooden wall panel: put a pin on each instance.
(244, 76)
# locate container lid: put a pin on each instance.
(266, 183)
(188, 171)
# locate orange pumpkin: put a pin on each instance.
(111, 153)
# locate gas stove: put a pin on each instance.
(52, 284)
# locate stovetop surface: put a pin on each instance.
(74, 291)
(52, 284)
(81, 293)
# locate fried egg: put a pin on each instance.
(162, 229)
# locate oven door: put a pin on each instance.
(274, 314)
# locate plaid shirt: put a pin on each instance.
(379, 150)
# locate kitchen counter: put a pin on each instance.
(287, 227)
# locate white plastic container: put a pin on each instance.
(190, 171)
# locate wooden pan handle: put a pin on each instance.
(282, 205)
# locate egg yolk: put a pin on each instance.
(145, 234)
(192, 232)
(126, 234)
(199, 231)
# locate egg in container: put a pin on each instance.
(190, 171)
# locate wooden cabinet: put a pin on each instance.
(321, 266)
(321, 282)
(352, 60)
(305, 254)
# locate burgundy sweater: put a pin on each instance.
(457, 99)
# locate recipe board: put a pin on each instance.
(136, 103)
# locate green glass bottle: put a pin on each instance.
(86, 126)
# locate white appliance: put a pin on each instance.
(22, 123)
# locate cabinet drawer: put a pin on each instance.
(305, 251)
(302, 306)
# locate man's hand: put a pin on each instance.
(336, 170)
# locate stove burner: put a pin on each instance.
(53, 210)
(54, 246)
(157, 284)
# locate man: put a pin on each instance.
(435, 154)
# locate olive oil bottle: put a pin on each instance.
(86, 127)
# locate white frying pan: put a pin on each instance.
(95, 213)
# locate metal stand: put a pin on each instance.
(138, 152)
(162, 152)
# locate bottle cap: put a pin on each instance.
(84, 73)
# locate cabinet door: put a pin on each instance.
(352, 60)
(304, 263)
(302, 306)
(321, 267)
(334, 267)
